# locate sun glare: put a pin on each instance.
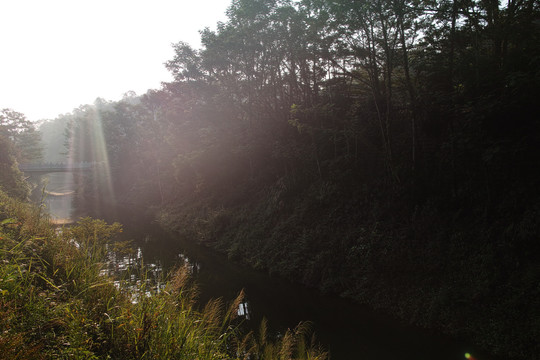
(91, 49)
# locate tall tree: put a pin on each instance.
(13, 129)
(26, 140)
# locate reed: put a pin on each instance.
(55, 302)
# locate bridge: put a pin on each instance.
(56, 167)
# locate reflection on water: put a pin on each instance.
(131, 273)
(193, 266)
(243, 310)
(134, 274)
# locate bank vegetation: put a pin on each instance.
(55, 302)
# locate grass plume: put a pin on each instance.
(56, 303)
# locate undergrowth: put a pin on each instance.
(55, 303)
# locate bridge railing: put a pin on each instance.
(57, 166)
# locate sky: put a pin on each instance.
(56, 55)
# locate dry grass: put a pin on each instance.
(56, 304)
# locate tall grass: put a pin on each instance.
(55, 303)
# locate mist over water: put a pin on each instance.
(55, 191)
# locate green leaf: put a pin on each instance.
(8, 221)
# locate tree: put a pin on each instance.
(11, 178)
(53, 133)
(23, 135)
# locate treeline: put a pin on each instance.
(384, 150)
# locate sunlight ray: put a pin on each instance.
(102, 169)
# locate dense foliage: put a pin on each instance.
(385, 150)
(19, 143)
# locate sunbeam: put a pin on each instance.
(101, 170)
(87, 146)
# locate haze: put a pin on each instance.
(59, 54)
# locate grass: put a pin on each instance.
(55, 303)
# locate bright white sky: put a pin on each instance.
(58, 54)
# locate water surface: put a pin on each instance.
(346, 329)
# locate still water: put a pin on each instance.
(347, 330)
(55, 191)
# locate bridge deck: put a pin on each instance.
(50, 167)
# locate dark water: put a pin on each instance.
(347, 330)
